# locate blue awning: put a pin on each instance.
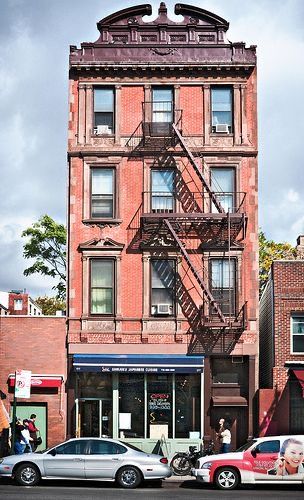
(138, 363)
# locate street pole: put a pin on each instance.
(14, 418)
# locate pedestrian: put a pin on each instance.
(33, 430)
(220, 430)
(226, 438)
(23, 441)
(19, 446)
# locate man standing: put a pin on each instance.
(33, 431)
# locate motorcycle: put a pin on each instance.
(183, 462)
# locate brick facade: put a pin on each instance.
(282, 299)
(37, 344)
(132, 327)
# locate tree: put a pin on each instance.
(269, 251)
(50, 305)
(47, 245)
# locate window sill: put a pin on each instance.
(222, 134)
(102, 221)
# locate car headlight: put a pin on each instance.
(207, 465)
(1, 460)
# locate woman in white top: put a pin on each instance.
(25, 436)
(226, 439)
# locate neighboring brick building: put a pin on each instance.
(162, 230)
(281, 397)
(19, 303)
(37, 344)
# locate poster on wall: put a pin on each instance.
(23, 384)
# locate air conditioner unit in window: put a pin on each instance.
(102, 129)
(222, 127)
(163, 309)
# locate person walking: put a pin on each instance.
(226, 438)
(33, 431)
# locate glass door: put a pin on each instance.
(94, 417)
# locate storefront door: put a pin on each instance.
(94, 417)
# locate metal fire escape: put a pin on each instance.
(201, 223)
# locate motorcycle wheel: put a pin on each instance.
(181, 465)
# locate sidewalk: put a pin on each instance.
(180, 479)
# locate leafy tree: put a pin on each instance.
(50, 305)
(47, 245)
(269, 251)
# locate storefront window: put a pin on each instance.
(160, 404)
(187, 406)
(95, 385)
(132, 401)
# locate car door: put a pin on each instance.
(263, 458)
(103, 459)
(66, 460)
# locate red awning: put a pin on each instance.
(300, 376)
(40, 381)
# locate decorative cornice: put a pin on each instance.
(101, 244)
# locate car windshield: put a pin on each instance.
(247, 445)
(131, 446)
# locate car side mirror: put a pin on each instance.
(254, 453)
(53, 452)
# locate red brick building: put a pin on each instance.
(37, 344)
(281, 408)
(162, 223)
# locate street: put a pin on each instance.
(169, 490)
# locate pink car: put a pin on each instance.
(262, 460)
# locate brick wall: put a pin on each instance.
(37, 344)
(288, 278)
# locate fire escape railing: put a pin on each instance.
(162, 121)
(195, 273)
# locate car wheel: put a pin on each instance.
(129, 477)
(27, 475)
(227, 478)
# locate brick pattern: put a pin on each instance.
(37, 344)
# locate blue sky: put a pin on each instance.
(35, 36)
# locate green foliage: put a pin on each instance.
(47, 245)
(50, 305)
(269, 251)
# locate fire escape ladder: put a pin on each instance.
(197, 170)
(195, 273)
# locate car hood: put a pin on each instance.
(236, 455)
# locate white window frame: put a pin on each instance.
(292, 316)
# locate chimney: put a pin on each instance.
(300, 246)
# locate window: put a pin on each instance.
(18, 304)
(297, 333)
(73, 448)
(102, 193)
(162, 105)
(132, 400)
(102, 286)
(223, 185)
(223, 284)
(268, 447)
(163, 287)
(162, 196)
(221, 105)
(104, 110)
(98, 447)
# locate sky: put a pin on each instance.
(34, 38)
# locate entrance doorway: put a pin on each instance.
(94, 417)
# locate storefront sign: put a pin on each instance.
(138, 363)
(23, 384)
